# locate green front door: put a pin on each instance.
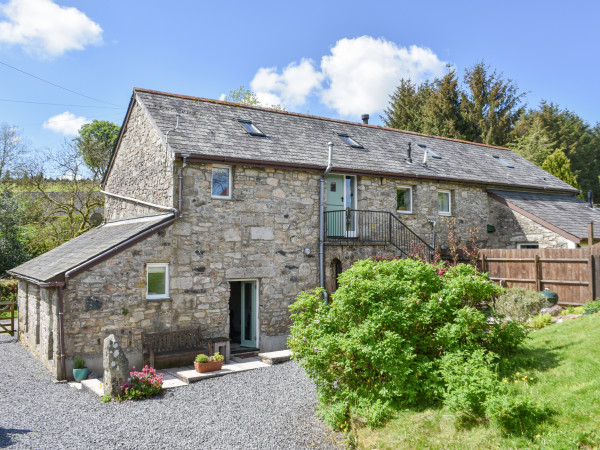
(335, 202)
(248, 335)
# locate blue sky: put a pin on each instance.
(334, 59)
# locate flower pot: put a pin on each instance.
(80, 374)
(210, 366)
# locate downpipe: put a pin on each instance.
(322, 222)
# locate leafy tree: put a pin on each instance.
(96, 142)
(559, 165)
(245, 96)
(60, 210)
(13, 246)
(542, 131)
(12, 147)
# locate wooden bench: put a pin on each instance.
(180, 344)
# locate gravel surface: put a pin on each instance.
(269, 408)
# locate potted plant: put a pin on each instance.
(80, 372)
(204, 363)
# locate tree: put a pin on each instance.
(13, 247)
(559, 165)
(12, 147)
(405, 111)
(60, 210)
(441, 112)
(490, 105)
(542, 131)
(245, 96)
(95, 143)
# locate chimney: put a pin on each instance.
(365, 119)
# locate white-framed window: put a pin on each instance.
(157, 281)
(404, 199)
(221, 182)
(445, 203)
(528, 245)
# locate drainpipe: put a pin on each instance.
(180, 205)
(322, 222)
(61, 327)
(432, 222)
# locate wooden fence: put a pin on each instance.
(572, 273)
(7, 318)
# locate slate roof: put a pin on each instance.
(53, 264)
(210, 130)
(565, 212)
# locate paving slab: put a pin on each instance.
(276, 357)
(93, 385)
(191, 376)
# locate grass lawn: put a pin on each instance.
(563, 359)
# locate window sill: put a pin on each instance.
(164, 299)
(446, 214)
(220, 198)
(401, 211)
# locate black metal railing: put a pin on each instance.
(353, 226)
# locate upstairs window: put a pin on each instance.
(157, 281)
(429, 151)
(445, 203)
(221, 182)
(252, 129)
(351, 142)
(503, 162)
(404, 200)
(528, 245)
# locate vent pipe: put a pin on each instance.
(591, 199)
(365, 119)
(409, 152)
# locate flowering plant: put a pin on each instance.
(143, 384)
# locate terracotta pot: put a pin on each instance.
(210, 366)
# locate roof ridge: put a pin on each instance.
(310, 116)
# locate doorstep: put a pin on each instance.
(182, 376)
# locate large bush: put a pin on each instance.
(380, 343)
(519, 304)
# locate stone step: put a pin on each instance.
(93, 385)
(191, 376)
(276, 357)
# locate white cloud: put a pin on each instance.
(65, 123)
(289, 88)
(47, 29)
(357, 77)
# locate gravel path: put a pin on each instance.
(269, 408)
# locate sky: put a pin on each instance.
(65, 63)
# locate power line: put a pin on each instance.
(60, 104)
(56, 85)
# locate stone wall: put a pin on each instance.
(139, 171)
(38, 323)
(513, 228)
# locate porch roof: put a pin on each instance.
(52, 266)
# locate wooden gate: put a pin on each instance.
(571, 273)
(7, 317)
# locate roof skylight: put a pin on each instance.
(351, 142)
(252, 129)
(503, 162)
(429, 151)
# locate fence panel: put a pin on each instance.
(571, 273)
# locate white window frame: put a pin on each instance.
(219, 166)
(405, 211)
(524, 244)
(449, 212)
(167, 293)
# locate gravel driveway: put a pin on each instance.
(269, 408)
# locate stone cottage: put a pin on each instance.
(218, 215)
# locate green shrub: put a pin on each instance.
(519, 304)
(217, 357)
(8, 290)
(79, 364)
(380, 342)
(201, 358)
(540, 321)
(106, 398)
(515, 414)
(591, 307)
(572, 310)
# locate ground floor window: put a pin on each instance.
(528, 245)
(445, 203)
(157, 281)
(404, 200)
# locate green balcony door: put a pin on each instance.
(248, 328)
(341, 196)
